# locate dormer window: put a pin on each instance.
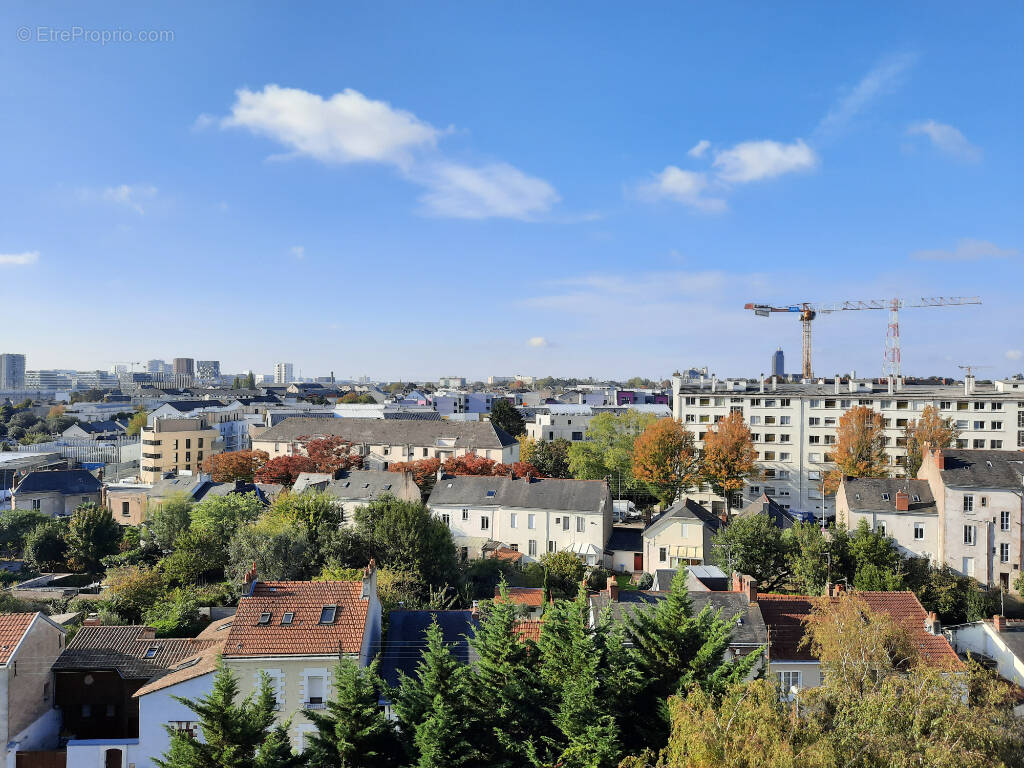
(490, 494)
(264, 618)
(885, 497)
(328, 614)
(151, 652)
(916, 498)
(287, 617)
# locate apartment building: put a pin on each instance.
(569, 421)
(177, 445)
(794, 424)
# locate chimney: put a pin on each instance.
(369, 580)
(838, 590)
(612, 588)
(940, 459)
(762, 383)
(836, 382)
(92, 620)
(775, 383)
(968, 384)
(852, 384)
(148, 633)
(999, 623)
(902, 501)
(475, 610)
(714, 382)
(888, 382)
(702, 381)
(751, 589)
(932, 625)
(249, 582)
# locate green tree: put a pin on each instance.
(169, 520)
(506, 416)
(815, 557)
(875, 559)
(281, 553)
(196, 554)
(134, 590)
(353, 731)
(753, 545)
(276, 749)
(232, 733)
(607, 453)
(176, 615)
(319, 515)
(136, 423)
(225, 514)
(92, 534)
(551, 457)
(435, 719)
(46, 548)
(15, 526)
(564, 571)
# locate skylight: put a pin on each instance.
(264, 618)
(916, 497)
(328, 613)
(287, 617)
(150, 652)
(491, 493)
(885, 497)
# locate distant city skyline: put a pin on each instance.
(394, 194)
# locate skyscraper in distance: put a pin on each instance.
(778, 363)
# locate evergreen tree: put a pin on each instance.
(506, 416)
(276, 750)
(232, 733)
(353, 732)
(92, 534)
(672, 649)
(505, 688)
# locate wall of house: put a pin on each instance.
(158, 709)
(29, 689)
(399, 453)
(981, 637)
(986, 518)
(620, 560)
(176, 451)
(683, 541)
(900, 526)
(136, 509)
(810, 671)
(54, 504)
(92, 753)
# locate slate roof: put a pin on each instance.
(983, 469)
(663, 578)
(784, 616)
(100, 427)
(364, 484)
(185, 406)
(625, 539)
(13, 627)
(749, 632)
(865, 494)
(766, 505)
(191, 485)
(305, 635)
(536, 493)
(123, 649)
(465, 434)
(70, 482)
(686, 510)
(189, 668)
(407, 632)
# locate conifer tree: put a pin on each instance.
(276, 750)
(231, 733)
(353, 732)
(432, 708)
(506, 690)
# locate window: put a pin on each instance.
(784, 420)
(788, 680)
(490, 494)
(783, 457)
(769, 456)
(264, 618)
(86, 710)
(968, 503)
(998, 444)
(531, 547)
(967, 567)
(485, 522)
(315, 689)
(662, 554)
(996, 425)
(918, 531)
(784, 402)
(581, 524)
(881, 527)
(531, 521)
(328, 614)
(1004, 520)
(755, 420)
(287, 617)
(565, 523)
(814, 421)
(979, 425)
(969, 535)
(513, 520)
(1004, 553)
(36, 503)
(979, 405)
(552, 547)
(446, 519)
(690, 418)
(885, 497)
(151, 652)
(465, 514)
(984, 499)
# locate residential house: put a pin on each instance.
(679, 536)
(624, 551)
(132, 504)
(294, 631)
(56, 492)
(98, 673)
(978, 496)
(95, 430)
(29, 644)
(531, 599)
(998, 642)
(177, 445)
(783, 517)
(899, 507)
(790, 659)
(391, 440)
(127, 503)
(528, 515)
(358, 487)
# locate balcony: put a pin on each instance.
(314, 705)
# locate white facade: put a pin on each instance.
(794, 425)
(283, 373)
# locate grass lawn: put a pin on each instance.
(625, 581)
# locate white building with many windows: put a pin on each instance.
(794, 424)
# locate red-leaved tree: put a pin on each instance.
(235, 465)
(331, 454)
(285, 469)
(424, 473)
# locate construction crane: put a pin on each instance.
(892, 362)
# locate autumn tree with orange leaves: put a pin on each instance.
(860, 447)
(234, 465)
(665, 458)
(930, 432)
(729, 457)
(424, 473)
(331, 454)
(284, 470)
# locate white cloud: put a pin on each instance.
(756, 160)
(1014, 354)
(699, 148)
(537, 341)
(687, 187)
(967, 249)
(137, 197)
(297, 252)
(946, 139)
(18, 259)
(884, 78)
(345, 128)
(495, 190)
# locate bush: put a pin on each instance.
(177, 615)
(646, 581)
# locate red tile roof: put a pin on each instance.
(784, 616)
(531, 596)
(508, 554)
(529, 630)
(305, 635)
(12, 628)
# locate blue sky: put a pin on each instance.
(422, 189)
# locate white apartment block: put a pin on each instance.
(794, 424)
(569, 421)
(283, 373)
